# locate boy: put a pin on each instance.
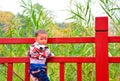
(38, 53)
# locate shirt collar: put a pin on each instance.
(36, 43)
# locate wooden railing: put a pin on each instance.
(101, 58)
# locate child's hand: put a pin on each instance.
(49, 53)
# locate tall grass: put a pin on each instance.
(110, 8)
(39, 16)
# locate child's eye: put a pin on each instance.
(43, 39)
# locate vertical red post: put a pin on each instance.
(9, 72)
(27, 74)
(62, 71)
(101, 42)
(79, 72)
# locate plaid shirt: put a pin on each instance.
(36, 55)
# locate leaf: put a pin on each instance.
(24, 2)
(34, 17)
(89, 16)
(78, 5)
(77, 15)
(115, 9)
(72, 17)
(106, 12)
(88, 7)
(107, 1)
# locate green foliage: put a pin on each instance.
(112, 9)
(82, 18)
(39, 17)
(81, 13)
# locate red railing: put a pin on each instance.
(10, 61)
(101, 58)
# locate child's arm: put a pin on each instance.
(49, 53)
(32, 52)
(29, 52)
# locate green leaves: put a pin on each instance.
(81, 13)
(106, 11)
(37, 14)
(77, 15)
(112, 9)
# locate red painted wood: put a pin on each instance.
(101, 23)
(53, 59)
(27, 75)
(16, 40)
(101, 42)
(79, 72)
(114, 59)
(72, 59)
(50, 40)
(14, 60)
(9, 72)
(62, 71)
(113, 39)
(56, 59)
(72, 40)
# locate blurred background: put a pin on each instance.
(60, 18)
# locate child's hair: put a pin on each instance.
(40, 32)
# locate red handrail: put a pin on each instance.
(111, 39)
(101, 58)
(11, 60)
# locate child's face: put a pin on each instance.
(41, 39)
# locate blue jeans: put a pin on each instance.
(42, 76)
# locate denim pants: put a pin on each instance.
(41, 75)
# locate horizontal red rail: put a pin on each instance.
(72, 59)
(17, 40)
(81, 59)
(56, 40)
(57, 60)
(114, 59)
(72, 40)
(114, 39)
(14, 60)
(50, 40)
(53, 59)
